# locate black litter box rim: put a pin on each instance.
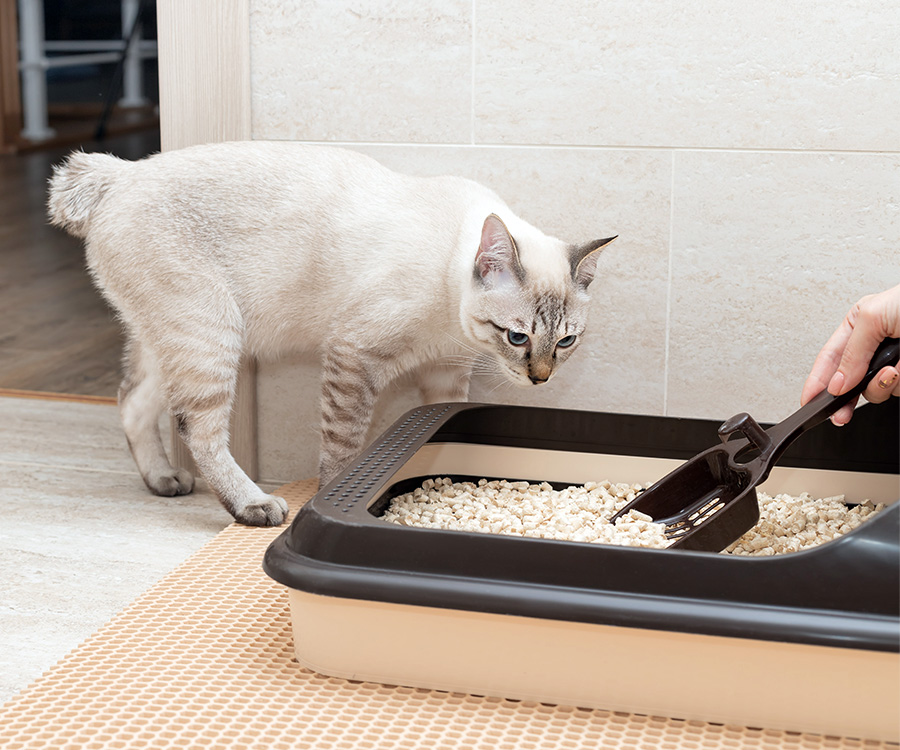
(843, 594)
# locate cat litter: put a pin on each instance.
(582, 513)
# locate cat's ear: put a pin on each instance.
(497, 260)
(583, 259)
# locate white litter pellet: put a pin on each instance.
(789, 524)
(577, 513)
(582, 513)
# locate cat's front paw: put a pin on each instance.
(171, 483)
(269, 510)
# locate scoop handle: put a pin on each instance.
(823, 406)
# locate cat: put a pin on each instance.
(261, 248)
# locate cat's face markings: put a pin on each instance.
(531, 346)
(531, 319)
(555, 335)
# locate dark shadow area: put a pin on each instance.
(56, 332)
(84, 97)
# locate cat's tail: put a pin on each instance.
(77, 187)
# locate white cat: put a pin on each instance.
(264, 248)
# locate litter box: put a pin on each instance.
(806, 641)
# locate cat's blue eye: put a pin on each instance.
(566, 341)
(516, 338)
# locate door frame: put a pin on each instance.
(204, 97)
(10, 92)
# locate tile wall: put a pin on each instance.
(747, 154)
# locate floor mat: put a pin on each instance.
(204, 659)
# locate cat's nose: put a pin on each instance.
(539, 370)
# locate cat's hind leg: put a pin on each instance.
(141, 404)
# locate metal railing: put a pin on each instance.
(34, 62)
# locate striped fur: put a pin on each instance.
(259, 249)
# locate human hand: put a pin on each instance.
(844, 359)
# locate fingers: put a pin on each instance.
(884, 385)
(843, 361)
(827, 362)
(880, 389)
(864, 340)
(843, 415)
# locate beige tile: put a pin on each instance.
(770, 251)
(83, 436)
(81, 536)
(288, 402)
(287, 395)
(751, 75)
(108, 503)
(391, 70)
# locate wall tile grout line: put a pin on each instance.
(594, 147)
(472, 82)
(669, 287)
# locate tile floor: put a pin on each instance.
(80, 535)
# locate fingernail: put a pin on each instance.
(889, 381)
(837, 382)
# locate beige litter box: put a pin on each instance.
(805, 642)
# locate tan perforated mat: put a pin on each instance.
(204, 660)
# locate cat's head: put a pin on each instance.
(527, 302)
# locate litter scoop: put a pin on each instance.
(710, 501)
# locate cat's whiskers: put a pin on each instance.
(499, 381)
(491, 369)
(469, 357)
(467, 366)
(466, 346)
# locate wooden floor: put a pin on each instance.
(56, 333)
